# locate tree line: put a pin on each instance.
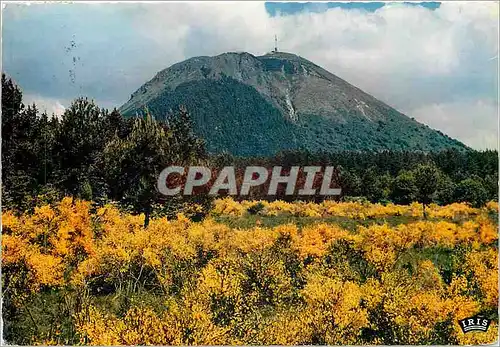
(401, 177)
(99, 155)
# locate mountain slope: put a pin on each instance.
(250, 105)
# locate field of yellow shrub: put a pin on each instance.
(205, 283)
(356, 210)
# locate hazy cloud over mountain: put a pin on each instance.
(437, 63)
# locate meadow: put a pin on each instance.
(251, 272)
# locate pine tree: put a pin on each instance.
(80, 140)
(134, 163)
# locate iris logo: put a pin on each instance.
(474, 324)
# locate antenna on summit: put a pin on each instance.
(275, 44)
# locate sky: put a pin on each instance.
(436, 62)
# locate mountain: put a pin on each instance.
(257, 105)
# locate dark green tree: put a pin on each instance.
(350, 183)
(471, 190)
(445, 189)
(26, 148)
(80, 140)
(426, 181)
(491, 186)
(377, 186)
(404, 189)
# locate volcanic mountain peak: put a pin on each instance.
(254, 96)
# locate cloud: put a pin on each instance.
(421, 61)
(47, 105)
(475, 123)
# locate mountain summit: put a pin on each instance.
(257, 105)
